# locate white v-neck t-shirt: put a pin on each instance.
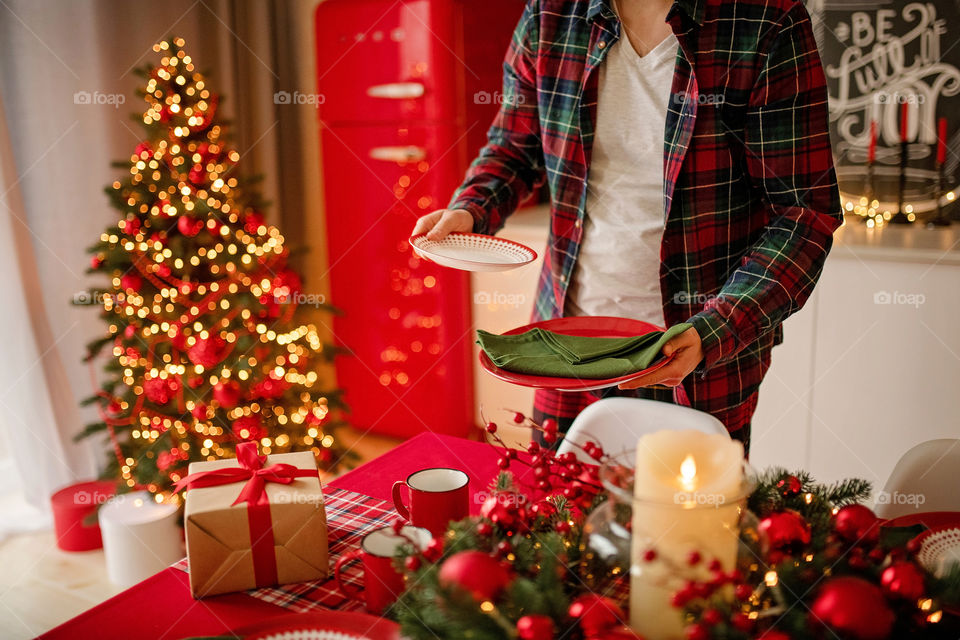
(618, 267)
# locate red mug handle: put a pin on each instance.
(398, 500)
(352, 593)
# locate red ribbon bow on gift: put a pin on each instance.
(254, 493)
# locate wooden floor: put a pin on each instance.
(42, 586)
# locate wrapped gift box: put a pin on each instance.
(229, 545)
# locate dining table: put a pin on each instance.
(161, 607)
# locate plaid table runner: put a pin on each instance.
(350, 515)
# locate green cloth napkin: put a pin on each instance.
(545, 353)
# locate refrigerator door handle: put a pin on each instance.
(408, 153)
(396, 90)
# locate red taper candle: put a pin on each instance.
(904, 110)
(872, 148)
(941, 140)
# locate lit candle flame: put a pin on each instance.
(688, 472)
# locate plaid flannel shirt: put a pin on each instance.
(751, 199)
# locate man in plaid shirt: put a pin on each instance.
(750, 200)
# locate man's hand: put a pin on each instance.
(441, 222)
(687, 353)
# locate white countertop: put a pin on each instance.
(890, 243)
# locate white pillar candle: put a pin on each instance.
(687, 490)
(140, 537)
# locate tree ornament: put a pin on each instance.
(784, 530)
(253, 221)
(160, 390)
(503, 509)
(596, 614)
(857, 524)
(852, 608)
(199, 411)
(227, 393)
(789, 486)
(412, 563)
(96, 261)
(903, 580)
(208, 352)
(697, 631)
(535, 627)
(248, 428)
(773, 634)
(189, 226)
(131, 281)
(475, 572)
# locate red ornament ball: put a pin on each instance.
(131, 281)
(96, 261)
(535, 627)
(596, 614)
(857, 524)
(852, 608)
(248, 428)
(227, 393)
(789, 486)
(773, 634)
(474, 571)
(189, 226)
(160, 390)
(697, 632)
(903, 580)
(784, 530)
(208, 351)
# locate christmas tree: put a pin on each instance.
(205, 350)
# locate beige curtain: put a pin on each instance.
(55, 162)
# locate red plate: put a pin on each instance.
(587, 326)
(350, 623)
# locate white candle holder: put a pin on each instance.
(140, 537)
(638, 551)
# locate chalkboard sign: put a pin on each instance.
(879, 55)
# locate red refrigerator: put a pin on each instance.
(408, 90)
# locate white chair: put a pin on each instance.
(616, 423)
(924, 479)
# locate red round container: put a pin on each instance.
(73, 514)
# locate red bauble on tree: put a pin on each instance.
(227, 393)
(504, 509)
(789, 486)
(248, 428)
(535, 627)
(131, 281)
(903, 580)
(476, 572)
(189, 226)
(852, 608)
(784, 531)
(208, 352)
(857, 524)
(160, 390)
(596, 614)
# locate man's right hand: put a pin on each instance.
(441, 222)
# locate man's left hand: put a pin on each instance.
(687, 353)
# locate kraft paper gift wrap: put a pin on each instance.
(218, 532)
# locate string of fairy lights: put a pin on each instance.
(216, 317)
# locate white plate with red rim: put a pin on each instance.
(473, 252)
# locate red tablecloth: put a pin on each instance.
(161, 606)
